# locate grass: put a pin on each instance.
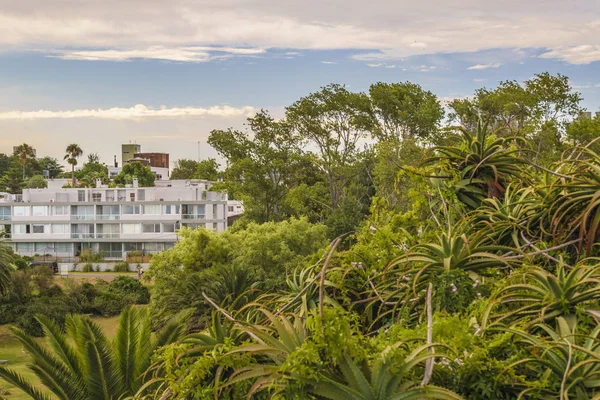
(11, 350)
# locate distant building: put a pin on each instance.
(128, 151)
(235, 210)
(158, 160)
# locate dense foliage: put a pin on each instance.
(385, 256)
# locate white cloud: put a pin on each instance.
(583, 54)
(181, 54)
(137, 112)
(374, 65)
(390, 66)
(328, 62)
(485, 66)
(407, 28)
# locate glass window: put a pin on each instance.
(132, 246)
(38, 228)
(60, 210)
(63, 247)
(81, 195)
(129, 229)
(4, 212)
(153, 246)
(230, 208)
(97, 197)
(45, 247)
(21, 211)
(24, 247)
(169, 245)
(19, 228)
(171, 209)
(127, 209)
(60, 228)
(152, 210)
(168, 228)
(39, 211)
(141, 194)
(151, 228)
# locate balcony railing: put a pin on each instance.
(4, 217)
(108, 235)
(82, 235)
(108, 217)
(192, 216)
(83, 217)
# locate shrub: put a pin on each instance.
(87, 267)
(109, 303)
(11, 308)
(90, 256)
(97, 268)
(127, 285)
(134, 253)
(121, 266)
(42, 278)
(55, 307)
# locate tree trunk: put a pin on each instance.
(72, 175)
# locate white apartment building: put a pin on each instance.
(63, 222)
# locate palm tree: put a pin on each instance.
(5, 268)
(25, 154)
(73, 152)
(83, 364)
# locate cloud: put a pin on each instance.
(485, 66)
(588, 86)
(137, 112)
(372, 65)
(390, 66)
(181, 54)
(583, 54)
(554, 27)
(328, 62)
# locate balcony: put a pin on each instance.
(192, 216)
(108, 217)
(83, 217)
(4, 217)
(108, 235)
(82, 235)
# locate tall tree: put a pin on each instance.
(12, 180)
(184, 169)
(25, 154)
(333, 121)
(405, 110)
(73, 152)
(262, 166)
(207, 169)
(93, 158)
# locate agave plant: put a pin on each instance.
(84, 364)
(483, 162)
(574, 367)
(576, 209)
(377, 383)
(542, 296)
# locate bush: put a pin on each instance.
(109, 303)
(90, 256)
(121, 266)
(127, 285)
(55, 307)
(97, 268)
(11, 308)
(87, 267)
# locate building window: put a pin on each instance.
(63, 248)
(20, 229)
(21, 211)
(169, 228)
(151, 228)
(39, 211)
(132, 196)
(131, 229)
(230, 208)
(131, 210)
(81, 195)
(24, 247)
(141, 194)
(97, 197)
(60, 210)
(60, 228)
(152, 210)
(4, 213)
(153, 247)
(37, 228)
(132, 246)
(171, 209)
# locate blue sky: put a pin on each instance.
(163, 75)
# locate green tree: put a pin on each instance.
(12, 180)
(405, 110)
(207, 169)
(93, 158)
(262, 168)
(333, 121)
(73, 152)
(51, 165)
(37, 182)
(82, 363)
(582, 131)
(184, 169)
(25, 154)
(137, 170)
(91, 171)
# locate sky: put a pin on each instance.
(164, 74)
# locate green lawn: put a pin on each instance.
(11, 350)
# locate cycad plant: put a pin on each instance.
(83, 364)
(541, 296)
(483, 162)
(576, 208)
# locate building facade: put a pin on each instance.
(111, 221)
(128, 150)
(158, 160)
